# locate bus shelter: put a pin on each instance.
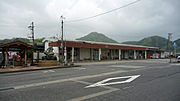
(19, 47)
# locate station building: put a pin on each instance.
(78, 50)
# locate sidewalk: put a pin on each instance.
(121, 61)
(33, 68)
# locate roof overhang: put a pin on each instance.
(88, 44)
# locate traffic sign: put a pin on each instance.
(174, 44)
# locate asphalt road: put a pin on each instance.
(125, 81)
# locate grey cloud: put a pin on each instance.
(146, 18)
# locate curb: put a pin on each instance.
(25, 70)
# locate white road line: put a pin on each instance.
(65, 80)
(126, 66)
(79, 68)
(128, 87)
(111, 89)
(48, 71)
(176, 64)
(92, 95)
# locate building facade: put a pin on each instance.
(87, 50)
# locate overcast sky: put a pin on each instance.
(142, 19)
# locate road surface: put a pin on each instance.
(145, 80)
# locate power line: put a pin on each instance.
(104, 12)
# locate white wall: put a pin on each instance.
(55, 49)
(163, 55)
(40, 55)
(56, 52)
(84, 53)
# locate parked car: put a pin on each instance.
(178, 58)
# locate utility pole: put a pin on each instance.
(168, 45)
(62, 41)
(31, 27)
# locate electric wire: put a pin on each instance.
(90, 17)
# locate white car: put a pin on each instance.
(178, 57)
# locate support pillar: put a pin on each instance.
(25, 57)
(6, 57)
(32, 57)
(91, 54)
(72, 57)
(112, 54)
(65, 55)
(119, 54)
(59, 56)
(37, 56)
(145, 54)
(135, 54)
(99, 54)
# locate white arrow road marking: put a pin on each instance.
(103, 82)
(48, 71)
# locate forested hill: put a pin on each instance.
(25, 40)
(155, 41)
(98, 37)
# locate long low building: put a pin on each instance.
(87, 50)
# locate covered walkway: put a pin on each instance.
(88, 50)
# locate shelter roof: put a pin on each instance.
(16, 44)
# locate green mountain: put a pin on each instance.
(13, 39)
(155, 41)
(98, 37)
(25, 40)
